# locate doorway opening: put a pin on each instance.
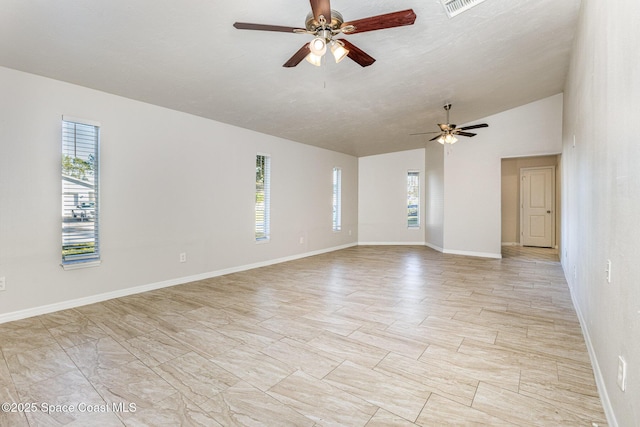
(512, 201)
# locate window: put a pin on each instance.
(413, 199)
(80, 191)
(263, 184)
(337, 199)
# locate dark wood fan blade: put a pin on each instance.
(482, 125)
(465, 133)
(298, 56)
(435, 137)
(357, 54)
(380, 22)
(262, 27)
(321, 7)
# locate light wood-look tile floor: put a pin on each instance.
(366, 336)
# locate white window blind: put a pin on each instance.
(263, 192)
(80, 192)
(337, 199)
(413, 199)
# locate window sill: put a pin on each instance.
(79, 265)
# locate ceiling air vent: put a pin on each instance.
(456, 7)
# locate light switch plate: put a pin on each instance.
(622, 373)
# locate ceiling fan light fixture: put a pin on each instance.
(318, 46)
(314, 59)
(441, 140)
(450, 139)
(338, 50)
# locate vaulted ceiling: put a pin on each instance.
(186, 55)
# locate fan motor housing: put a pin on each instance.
(313, 25)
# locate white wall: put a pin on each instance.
(472, 177)
(462, 183)
(170, 183)
(601, 195)
(434, 221)
(382, 198)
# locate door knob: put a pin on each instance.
(548, 211)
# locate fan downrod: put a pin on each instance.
(447, 107)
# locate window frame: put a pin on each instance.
(413, 199)
(83, 214)
(336, 200)
(262, 229)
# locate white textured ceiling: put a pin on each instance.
(187, 56)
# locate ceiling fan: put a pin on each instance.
(324, 23)
(448, 132)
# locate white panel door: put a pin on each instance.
(537, 205)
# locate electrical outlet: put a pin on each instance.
(608, 271)
(183, 257)
(622, 373)
(3, 283)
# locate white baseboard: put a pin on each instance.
(65, 305)
(391, 243)
(434, 247)
(465, 253)
(474, 254)
(597, 372)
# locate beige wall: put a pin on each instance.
(511, 194)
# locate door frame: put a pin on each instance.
(554, 243)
